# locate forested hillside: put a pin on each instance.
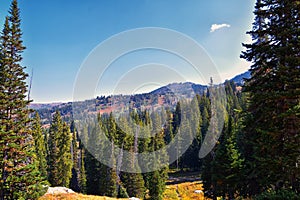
(166, 96)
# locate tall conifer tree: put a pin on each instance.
(59, 158)
(40, 147)
(271, 139)
(19, 175)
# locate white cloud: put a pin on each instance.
(215, 27)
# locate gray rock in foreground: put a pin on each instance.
(59, 190)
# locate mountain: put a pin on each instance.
(37, 106)
(239, 79)
(183, 89)
(188, 88)
(167, 95)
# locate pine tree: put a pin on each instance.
(40, 147)
(197, 120)
(108, 176)
(109, 185)
(92, 165)
(134, 182)
(144, 141)
(222, 168)
(55, 131)
(19, 174)
(74, 182)
(177, 117)
(156, 186)
(271, 139)
(191, 128)
(158, 178)
(156, 123)
(66, 163)
(206, 175)
(169, 135)
(205, 121)
(236, 161)
(82, 173)
(59, 158)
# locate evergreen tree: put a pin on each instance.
(236, 161)
(40, 146)
(177, 117)
(53, 155)
(82, 173)
(65, 164)
(59, 158)
(158, 178)
(144, 140)
(205, 121)
(78, 180)
(19, 168)
(109, 175)
(222, 168)
(271, 139)
(92, 165)
(206, 175)
(74, 182)
(156, 186)
(191, 127)
(156, 123)
(134, 182)
(168, 129)
(197, 122)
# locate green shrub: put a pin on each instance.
(278, 195)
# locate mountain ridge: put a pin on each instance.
(182, 88)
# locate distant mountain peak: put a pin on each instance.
(239, 79)
(183, 89)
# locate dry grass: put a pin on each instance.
(184, 191)
(74, 196)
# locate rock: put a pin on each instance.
(198, 191)
(59, 190)
(134, 198)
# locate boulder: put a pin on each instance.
(59, 190)
(198, 191)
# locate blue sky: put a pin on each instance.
(60, 34)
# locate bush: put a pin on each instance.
(278, 195)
